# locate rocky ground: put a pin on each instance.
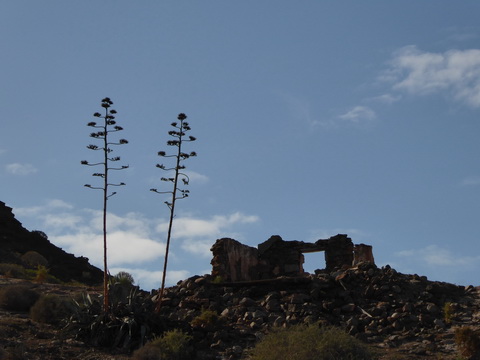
(400, 315)
(24, 339)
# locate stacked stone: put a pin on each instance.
(377, 305)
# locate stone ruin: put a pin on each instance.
(233, 261)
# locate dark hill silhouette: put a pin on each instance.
(15, 241)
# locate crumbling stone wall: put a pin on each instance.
(233, 261)
(363, 253)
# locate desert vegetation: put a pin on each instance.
(104, 130)
(172, 345)
(303, 342)
(179, 135)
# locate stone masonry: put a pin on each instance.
(233, 261)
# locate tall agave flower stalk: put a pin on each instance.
(104, 129)
(179, 138)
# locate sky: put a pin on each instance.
(312, 118)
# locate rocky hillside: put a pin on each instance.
(15, 241)
(402, 314)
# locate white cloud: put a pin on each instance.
(359, 113)
(454, 71)
(60, 221)
(198, 235)
(59, 204)
(123, 247)
(200, 247)
(197, 177)
(188, 227)
(387, 98)
(51, 205)
(133, 239)
(20, 169)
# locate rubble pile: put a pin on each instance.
(378, 305)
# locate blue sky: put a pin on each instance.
(312, 118)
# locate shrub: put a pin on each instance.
(13, 271)
(207, 319)
(50, 309)
(123, 278)
(302, 342)
(17, 298)
(173, 345)
(468, 341)
(41, 274)
(127, 326)
(218, 280)
(448, 310)
(34, 259)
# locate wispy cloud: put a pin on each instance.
(438, 263)
(20, 169)
(359, 113)
(434, 256)
(300, 109)
(471, 181)
(386, 98)
(456, 72)
(196, 177)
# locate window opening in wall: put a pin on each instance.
(314, 261)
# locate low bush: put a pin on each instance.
(34, 259)
(173, 345)
(218, 280)
(13, 271)
(207, 319)
(123, 278)
(301, 342)
(468, 342)
(17, 297)
(50, 309)
(42, 274)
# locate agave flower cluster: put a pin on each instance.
(109, 126)
(179, 135)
